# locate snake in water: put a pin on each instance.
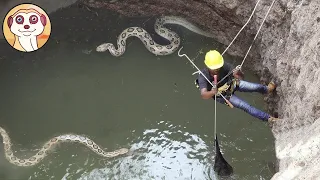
(43, 152)
(149, 43)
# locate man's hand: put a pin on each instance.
(237, 73)
(214, 89)
(214, 85)
(238, 68)
(205, 94)
(208, 94)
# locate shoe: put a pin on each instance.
(271, 86)
(272, 120)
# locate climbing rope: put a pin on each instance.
(301, 3)
(265, 17)
(242, 27)
(215, 113)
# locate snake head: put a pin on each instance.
(103, 47)
(122, 151)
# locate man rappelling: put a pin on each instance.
(231, 81)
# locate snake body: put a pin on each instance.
(43, 152)
(149, 43)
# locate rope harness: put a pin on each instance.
(234, 84)
(227, 89)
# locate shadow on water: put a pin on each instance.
(146, 103)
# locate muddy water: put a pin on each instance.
(139, 101)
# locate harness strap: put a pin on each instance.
(233, 84)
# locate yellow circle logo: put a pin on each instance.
(26, 27)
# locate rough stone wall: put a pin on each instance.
(295, 59)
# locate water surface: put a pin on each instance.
(139, 101)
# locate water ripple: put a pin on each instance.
(160, 154)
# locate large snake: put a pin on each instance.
(43, 152)
(149, 43)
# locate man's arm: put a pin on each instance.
(205, 94)
(238, 74)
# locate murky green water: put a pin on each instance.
(146, 103)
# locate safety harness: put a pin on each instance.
(226, 90)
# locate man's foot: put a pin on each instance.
(272, 120)
(271, 86)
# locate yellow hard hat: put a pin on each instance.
(213, 60)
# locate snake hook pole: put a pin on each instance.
(180, 55)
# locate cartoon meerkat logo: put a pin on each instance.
(27, 26)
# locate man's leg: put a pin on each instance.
(239, 103)
(245, 86)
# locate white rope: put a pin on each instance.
(265, 17)
(301, 3)
(242, 27)
(215, 115)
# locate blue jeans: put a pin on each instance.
(245, 86)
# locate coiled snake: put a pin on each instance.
(149, 43)
(43, 152)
